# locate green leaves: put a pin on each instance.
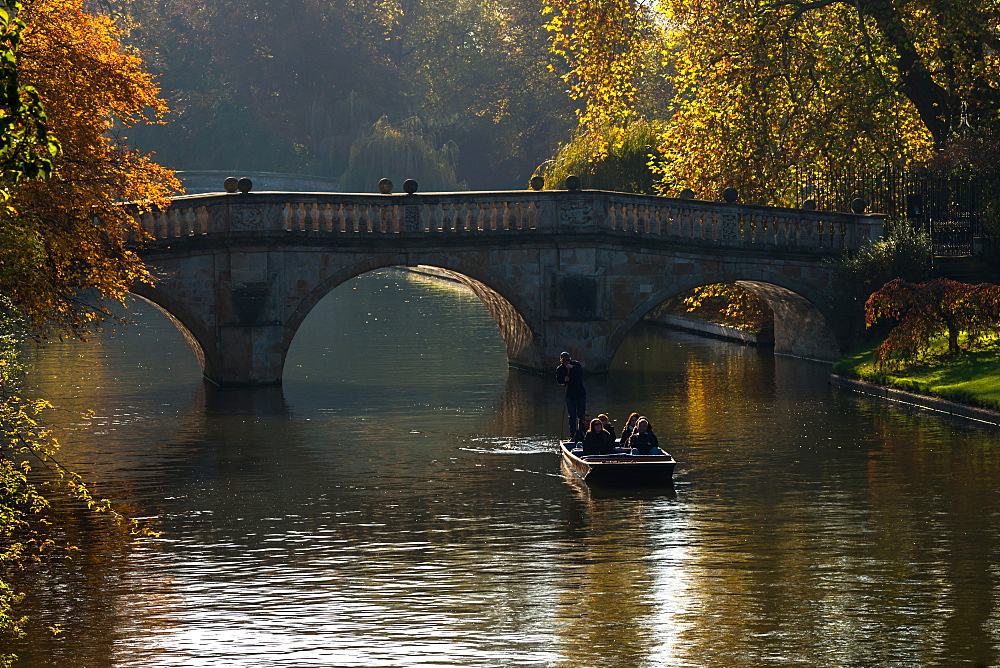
(26, 147)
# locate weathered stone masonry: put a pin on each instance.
(557, 270)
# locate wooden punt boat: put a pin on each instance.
(620, 467)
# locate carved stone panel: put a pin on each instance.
(246, 218)
(730, 227)
(575, 213)
(411, 218)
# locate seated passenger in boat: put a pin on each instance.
(582, 429)
(643, 441)
(628, 429)
(606, 424)
(597, 441)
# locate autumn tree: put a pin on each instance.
(924, 312)
(614, 155)
(66, 239)
(768, 89)
(63, 233)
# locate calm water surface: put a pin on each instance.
(400, 503)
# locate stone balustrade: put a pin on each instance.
(507, 212)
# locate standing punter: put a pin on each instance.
(569, 374)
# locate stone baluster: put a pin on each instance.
(532, 215)
(697, 223)
(475, 216)
(189, 221)
(613, 223)
(807, 231)
(709, 222)
(301, 217)
(149, 220)
(781, 231)
(447, 217)
(632, 218)
(308, 211)
(312, 216)
(348, 212)
(820, 227)
(363, 218)
(433, 216)
(752, 232)
(841, 235)
(489, 214)
(323, 216)
(502, 210)
(654, 218)
(394, 218)
(203, 220)
(163, 228)
(792, 232)
(762, 229)
(517, 215)
(496, 215)
(176, 223)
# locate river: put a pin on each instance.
(399, 502)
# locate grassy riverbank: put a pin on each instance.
(972, 379)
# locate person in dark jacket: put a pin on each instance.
(581, 428)
(606, 423)
(597, 440)
(643, 441)
(569, 374)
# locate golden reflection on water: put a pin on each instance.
(347, 520)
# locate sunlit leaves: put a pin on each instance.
(608, 44)
(64, 241)
(730, 304)
(767, 90)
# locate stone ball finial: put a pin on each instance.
(730, 195)
(809, 204)
(410, 186)
(572, 182)
(244, 185)
(687, 193)
(858, 205)
(384, 186)
(537, 183)
(230, 184)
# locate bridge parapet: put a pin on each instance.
(476, 213)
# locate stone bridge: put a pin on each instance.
(558, 270)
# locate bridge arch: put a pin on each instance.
(517, 334)
(195, 336)
(801, 323)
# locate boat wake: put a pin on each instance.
(511, 445)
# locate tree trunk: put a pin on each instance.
(937, 109)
